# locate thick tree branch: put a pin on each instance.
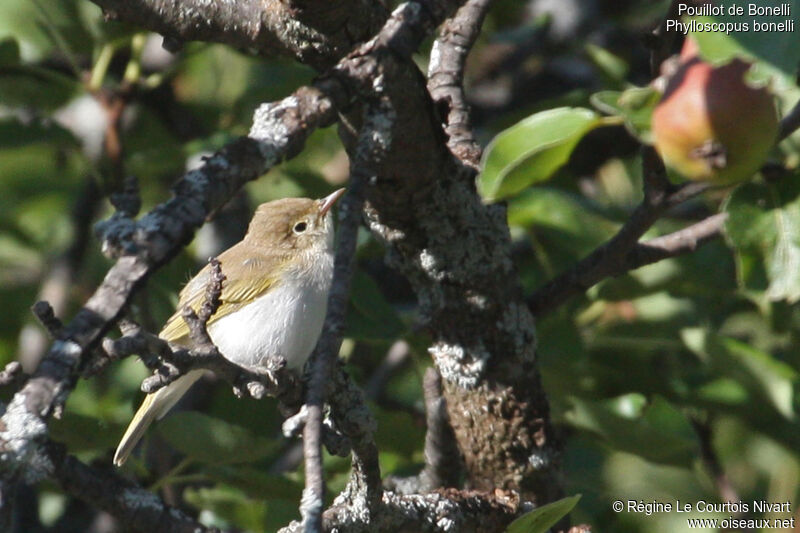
(455, 251)
(438, 511)
(402, 35)
(446, 77)
(315, 32)
(139, 509)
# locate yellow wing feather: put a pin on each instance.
(245, 280)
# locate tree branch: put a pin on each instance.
(727, 492)
(139, 509)
(46, 316)
(315, 32)
(402, 34)
(442, 458)
(661, 41)
(446, 77)
(325, 354)
(674, 244)
(790, 122)
(441, 510)
(12, 374)
(172, 361)
(610, 258)
(455, 251)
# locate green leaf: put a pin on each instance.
(582, 227)
(758, 371)
(541, 519)
(210, 440)
(532, 150)
(659, 432)
(370, 316)
(758, 374)
(84, 433)
(228, 506)
(777, 52)
(398, 432)
(764, 220)
(724, 391)
(24, 85)
(14, 133)
(773, 379)
(634, 105)
(9, 51)
(256, 484)
(615, 68)
(44, 28)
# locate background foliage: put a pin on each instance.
(676, 381)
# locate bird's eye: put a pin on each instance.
(300, 227)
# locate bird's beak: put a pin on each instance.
(326, 203)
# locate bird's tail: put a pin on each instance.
(154, 406)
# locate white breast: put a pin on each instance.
(286, 321)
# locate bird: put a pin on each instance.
(273, 300)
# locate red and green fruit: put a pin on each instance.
(711, 124)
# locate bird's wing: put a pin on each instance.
(244, 281)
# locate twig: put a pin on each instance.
(611, 258)
(171, 362)
(661, 41)
(726, 490)
(197, 322)
(205, 352)
(442, 458)
(12, 374)
(446, 77)
(322, 361)
(45, 314)
(397, 357)
(680, 242)
(790, 122)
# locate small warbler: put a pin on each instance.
(273, 299)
